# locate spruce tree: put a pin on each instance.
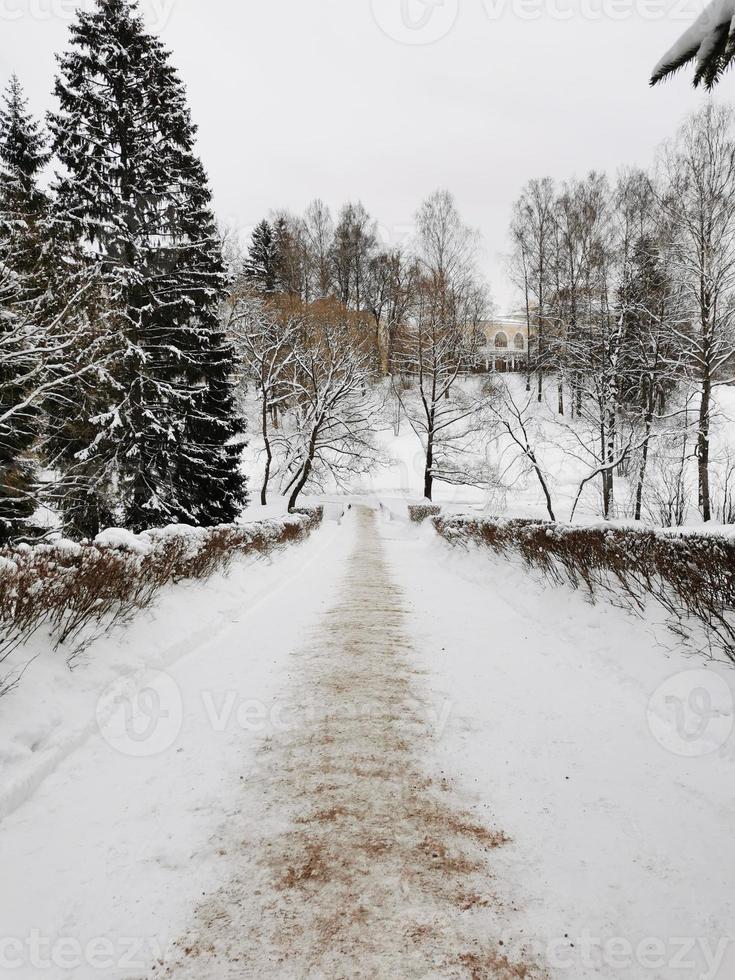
(135, 194)
(262, 264)
(84, 388)
(22, 286)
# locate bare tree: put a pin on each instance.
(699, 175)
(353, 247)
(447, 247)
(319, 233)
(532, 232)
(520, 272)
(516, 419)
(648, 305)
(332, 425)
(437, 343)
(265, 338)
(293, 259)
(391, 298)
(571, 258)
(431, 355)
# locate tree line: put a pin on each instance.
(629, 291)
(116, 392)
(129, 329)
(321, 314)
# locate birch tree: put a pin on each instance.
(532, 232)
(698, 194)
(437, 344)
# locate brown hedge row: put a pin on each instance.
(691, 575)
(72, 591)
(418, 513)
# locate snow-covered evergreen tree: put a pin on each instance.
(22, 158)
(22, 285)
(83, 358)
(262, 264)
(134, 192)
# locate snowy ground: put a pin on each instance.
(558, 445)
(607, 756)
(320, 781)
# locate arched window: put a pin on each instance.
(520, 342)
(501, 341)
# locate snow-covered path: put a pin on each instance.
(404, 762)
(357, 862)
(104, 864)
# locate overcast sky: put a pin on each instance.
(386, 100)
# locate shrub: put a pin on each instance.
(76, 591)
(691, 575)
(419, 513)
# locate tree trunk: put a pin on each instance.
(428, 476)
(268, 456)
(384, 351)
(305, 471)
(644, 467)
(606, 474)
(541, 353)
(299, 486)
(703, 434)
(611, 435)
(544, 486)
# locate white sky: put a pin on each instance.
(297, 99)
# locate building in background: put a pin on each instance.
(506, 343)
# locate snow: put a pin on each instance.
(517, 493)
(120, 539)
(115, 845)
(699, 39)
(563, 724)
(554, 721)
(55, 709)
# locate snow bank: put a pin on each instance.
(119, 538)
(577, 730)
(120, 842)
(59, 606)
(691, 575)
